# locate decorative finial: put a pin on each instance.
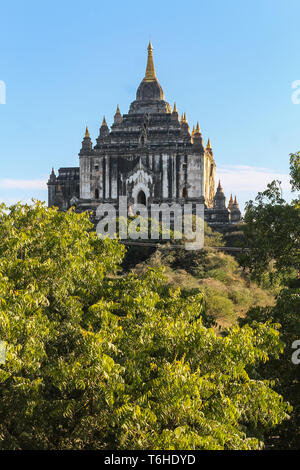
(181, 120)
(193, 132)
(219, 185)
(175, 108)
(197, 129)
(150, 71)
(184, 118)
(52, 175)
(208, 145)
(87, 134)
(235, 204)
(117, 116)
(104, 122)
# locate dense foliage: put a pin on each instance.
(97, 360)
(227, 288)
(273, 234)
(272, 230)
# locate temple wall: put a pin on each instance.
(85, 188)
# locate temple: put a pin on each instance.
(149, 155)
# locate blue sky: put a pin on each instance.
(228, 64)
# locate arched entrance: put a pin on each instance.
(141, 198)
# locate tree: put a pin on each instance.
(272, 231)
(101, 360)
(282, 369)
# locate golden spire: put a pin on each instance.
(118, 110)
(193, 130)
(150, 71)
(87, 134)
(104, 122)
(198, 128)
(175, 108)
(208, 145)
(181, 120)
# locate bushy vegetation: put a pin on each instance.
(227, 289)
(272, 231)
(99, 360)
